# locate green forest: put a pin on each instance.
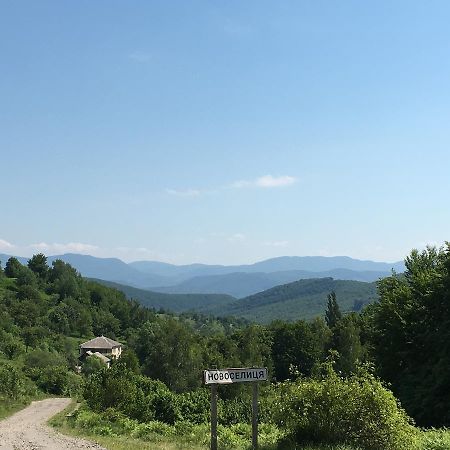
(373, 379)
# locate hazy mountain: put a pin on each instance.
(180, 271)
(104, 268)
(238, 281)
(280, 264)
(240, 284)
(323, 263)
(4, 258)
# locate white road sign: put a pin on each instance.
(239, 375)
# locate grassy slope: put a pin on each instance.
(160, 442)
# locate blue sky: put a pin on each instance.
(224, 132)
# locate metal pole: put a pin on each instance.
(214, 417)
(255, 417)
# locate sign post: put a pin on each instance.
(214, 417)
(255, 417)
(215, 377)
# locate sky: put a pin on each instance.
(224, 132)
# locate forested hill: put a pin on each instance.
(303, 299)
(172, 302)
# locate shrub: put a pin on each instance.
(436, 439)
(74, 386)
(358, 410)
(136, 396)
(40, 359)
(153, 431)
(53, 380)
(12, 382)
(92, 364)
(195, 406)
(86, 419)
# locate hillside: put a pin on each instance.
(171, 302)
(241, 284)
(303, 299)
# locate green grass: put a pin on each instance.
(91, 428)
(434, 439)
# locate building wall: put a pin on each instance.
(115, 352)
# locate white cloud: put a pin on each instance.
(124, 253)
(184, 193)
(71, 247)
(266, 181)
(5, 245)
(139, 56)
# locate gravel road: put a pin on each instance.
(27, 429)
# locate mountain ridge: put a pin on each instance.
(237, 280)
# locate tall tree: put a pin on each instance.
(411, 335)
(333, 313)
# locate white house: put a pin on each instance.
(101, 345)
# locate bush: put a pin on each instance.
(53, 380)
(195, 406)
(358, 410)
(74, 386)
(153, 431)
(12, 382)
(40, 359)
(436, 439)
(136, 396)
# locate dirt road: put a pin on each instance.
(27, 429)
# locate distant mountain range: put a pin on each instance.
(237, 281)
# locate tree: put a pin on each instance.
(411, 335)
(12, 268)
(26, 277)
(170, 352)
(333, 313)
(38, 264)
(10, 345)
(296, 348)
(33, 335)
(130, 360)
(346, 341)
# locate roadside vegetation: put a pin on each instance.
(363, 381)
